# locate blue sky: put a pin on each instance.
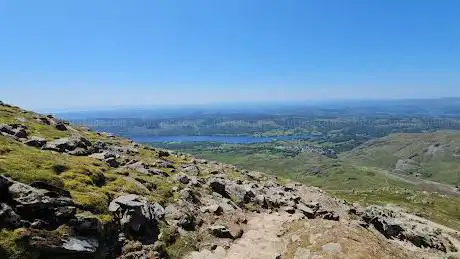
(80, 54)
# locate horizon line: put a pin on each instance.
(224, 104)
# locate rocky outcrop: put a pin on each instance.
(16, 131)
(35, 142)
(76, 145)
(44, 211)
(8, 217)
(138, 218)
(396, 225)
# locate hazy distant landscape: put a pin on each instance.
(370, 152)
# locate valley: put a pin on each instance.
(68, 191)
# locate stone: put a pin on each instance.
(61, 126)
(20, 133)
(7, 129)
(144, 168)
(35, 142)
(158, 172)
(4, 185)
(289, 209)
(58, 192)
(15, 130)
(86, 225)
(172, 212)
(82, 245)
(236, 232)
(216, 171)
(183, 179)
(44, 120)
(163, 153)
(165, 164)
(331, 216)
(195, 181)
(220, 231)
(68, 144)
(214, 209)
(28, 199)
(189, 195)
(39, 224)
(308, 212)
(218, 186)
(187, 222)
(137, 217)
(393, 225)
(80, 152)
(112, 162)
(8, 218)
(64, 214)
(243, 193)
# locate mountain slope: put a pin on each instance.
(68, 192)
(434, 156)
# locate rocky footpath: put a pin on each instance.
(178, 206)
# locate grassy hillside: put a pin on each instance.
(434, 156)
(91, 182)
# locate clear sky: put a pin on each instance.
(86, 53)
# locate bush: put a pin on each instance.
(58, 169)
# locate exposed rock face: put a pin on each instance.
(393, 224)
(70, 144)
(14, 130)
(50, 245)
(61, 126)
(33, 204)
(41, 208)
(35, 142)
(8, 218)
(218, 186)
(53, 191)
(137, 217)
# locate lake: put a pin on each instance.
(212, 138)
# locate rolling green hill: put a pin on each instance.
(433, 156)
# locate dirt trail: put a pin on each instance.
(425, 184)
(261, 240)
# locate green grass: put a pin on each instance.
(91, 182)
(10, 244)
(345, 178)
(437, 154)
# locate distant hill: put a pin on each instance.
(434, 156)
